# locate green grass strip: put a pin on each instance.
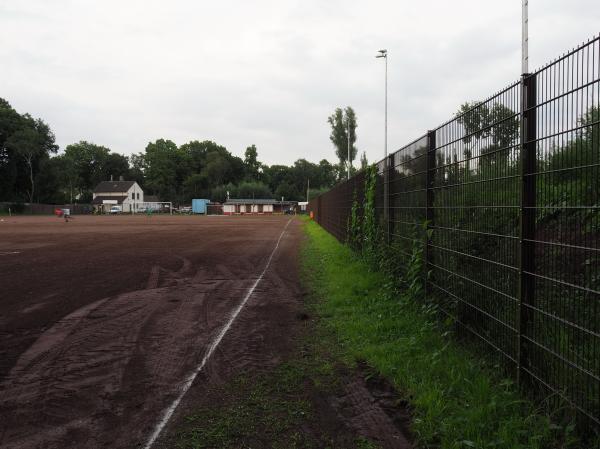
(458, 400)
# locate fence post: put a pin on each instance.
(528, 159)
(430, 197)
(318, 214)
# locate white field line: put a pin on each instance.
(8, 253)
(166, 415)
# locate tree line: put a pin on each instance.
(33, 170)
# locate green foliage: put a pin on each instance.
(363, 233)
(364, 163)
(318, 191)
(343, 129)
(458, 401)
(372, 234)
(355, 226)
(25, 146)
(174, 173)
(251, 164)
(252, 190)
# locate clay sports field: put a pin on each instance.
(111, 326)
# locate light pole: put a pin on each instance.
(525, 38)
(384, 54)
(348, 164)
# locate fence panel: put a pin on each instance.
(475, 240)
(510, 189)
(563, 331)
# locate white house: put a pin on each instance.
(127, 194)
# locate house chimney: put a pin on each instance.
(111, 177)
(121, 178)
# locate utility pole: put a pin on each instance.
(308, 190)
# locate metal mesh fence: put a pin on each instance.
(510, 189)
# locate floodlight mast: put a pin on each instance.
(348, 164)
(525, 38)
(384, 54)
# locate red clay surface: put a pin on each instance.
(102, 318)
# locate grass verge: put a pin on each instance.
(458, 401)
(283, 407)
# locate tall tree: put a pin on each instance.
(166, 168)
(137, 165)
(25, 144)
(251, 164)
(32, 143)
(343, 130)
(364, 163)
(90, 162)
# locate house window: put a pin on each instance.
(132, 195)
(138, 195)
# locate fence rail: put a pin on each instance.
(510, 189)
(44, 209)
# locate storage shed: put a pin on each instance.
(199, 206)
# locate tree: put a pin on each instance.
(256, 190)
(287, 192)
(251, 164)
(494, 130)
(195, 185)
(217, 169)
(116, 165)
(68, 175)
(364, 163)
(343, 128)
(137, 165)
(166, 168)
(89, 161)
(32, 143)
(10, 122)
(327, 174)
(25, 144)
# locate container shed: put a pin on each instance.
(199, 206)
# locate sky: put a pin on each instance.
(122, 73)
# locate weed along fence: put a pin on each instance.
(509, 192)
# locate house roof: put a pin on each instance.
(256, 201)
(113, 186)
(100, 198)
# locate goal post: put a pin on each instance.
(153, 207)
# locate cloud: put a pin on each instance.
(266, 72)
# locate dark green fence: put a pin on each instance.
(511, 192)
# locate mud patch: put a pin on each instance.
(370, 405)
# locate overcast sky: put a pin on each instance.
(122, 73)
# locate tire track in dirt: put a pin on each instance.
(214, 344)
(99, 375)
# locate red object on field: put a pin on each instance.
(58, 212)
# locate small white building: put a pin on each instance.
(256, 206)
(126, 194)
